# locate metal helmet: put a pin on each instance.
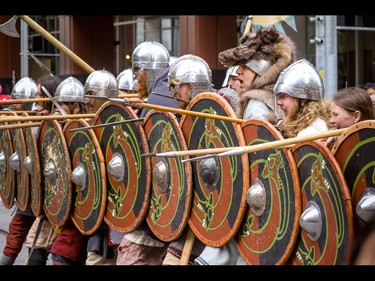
(70, 90)
(102, 83)
(150, 55)
(231, 72)
(126, 80)
(25, 88)
(193, 70)
(300, 80)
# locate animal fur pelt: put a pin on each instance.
(266, 44)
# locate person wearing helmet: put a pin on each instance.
(149, 60)
(69, 247)
(299, 92)
(25, 88)
(127, 84)
(260, 58)
(160, 88)
(100, 83)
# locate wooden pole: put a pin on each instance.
(47, 117)
(19, 125)
(255, 147)
(188, 246)
(18, 101)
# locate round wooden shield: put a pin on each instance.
(128, 174)
(7, 174)
(326, 221)
(56, 172)
(171, 187)
(17, 159)
(354, 152)
(270, 226)
(32, 166)
(88, 176)
(219, 183)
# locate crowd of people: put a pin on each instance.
(264, 80)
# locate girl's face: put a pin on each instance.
(288, 104)
(341, 118)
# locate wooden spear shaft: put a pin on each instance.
(57, 44)
(47, 117)
(255, 147)
(18, 101)
(20, 125)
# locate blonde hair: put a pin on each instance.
(307, 112)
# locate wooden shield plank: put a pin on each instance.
(88, 176)
(270, 226)
(32, 165)
(23, 177)
(56, 172)
(354, 152)
(7, 174)
(171, 187)
(218, 206)
(128, 174)
(327, 219)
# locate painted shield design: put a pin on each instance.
(270, 226)
(171, 187)
(219, 183)
(128, 174)
(16, 161)
(32, 166)
(88, 176)
(56, 172)
(326, 221)
(7, 174)
(354, 152)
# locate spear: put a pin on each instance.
(138, 103)
(239, 150)
(47, 117)
(106, 124)
(18, 101)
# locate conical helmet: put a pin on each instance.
(150, 55)
(70, 90)
(300, 80)
(25, 88)
(126, 80)
(102, 83)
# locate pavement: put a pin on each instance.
(5, 218)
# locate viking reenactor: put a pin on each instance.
(70, 245)
(349, 106)
(261, 57)
(127, 84)
(188, 76)
(22, 220)
(42, 234)
(149, 61)
(100, 83)
(299, 92)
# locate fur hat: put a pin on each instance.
(267, 45)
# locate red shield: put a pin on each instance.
(88, 176)
(270, 226)
(219, 201)
(354, 152)
(7, 174)
(326, 208)
(128, 174)
(32, 165)
(172, 183)
(56, 172)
